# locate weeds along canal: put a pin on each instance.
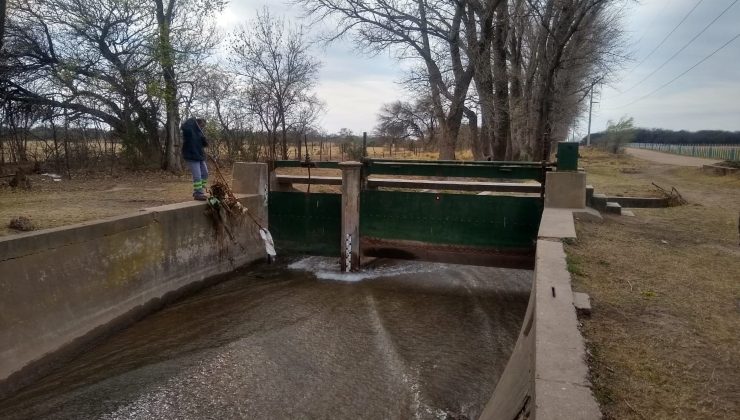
(298, 339)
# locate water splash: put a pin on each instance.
(327, 268)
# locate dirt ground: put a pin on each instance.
(89, 196)
(669, 159)
(664, 336)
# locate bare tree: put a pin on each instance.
(428, 30)
(116, 61)
(273, 59)
(188, 22)
(404, 120)
(90, 58)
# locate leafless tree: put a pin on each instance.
(404, 120)
(184, 33)
(428, 30)
(272, 57)
(117, 61)
(525, 59)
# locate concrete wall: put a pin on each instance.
(565, 190)
(61, 287)
(547, 376)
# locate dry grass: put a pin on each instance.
(664, 336)
(90, 196)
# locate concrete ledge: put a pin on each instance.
(547, 376)
(598, 201)
(59, 285)
(557, 224)
(515, 187)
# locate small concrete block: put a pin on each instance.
(628, 213)
(613, 208)
(598, 201)
(565, 190)
(582, 302)
(589, 194)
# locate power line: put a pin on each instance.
(684, 47)
(669, 34)
(682, 74)
(650, 24)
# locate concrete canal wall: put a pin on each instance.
(546, 376)
(61, 288)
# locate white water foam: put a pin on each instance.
(326, 268)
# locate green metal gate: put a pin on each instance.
(482, 221)
(303, 223)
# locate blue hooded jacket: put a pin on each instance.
(193, 141)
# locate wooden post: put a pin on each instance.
(350, 243)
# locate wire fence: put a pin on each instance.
(712, 151)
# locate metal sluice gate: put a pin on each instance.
(485, 216)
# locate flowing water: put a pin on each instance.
(300, 340)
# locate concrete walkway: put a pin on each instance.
(669, 158)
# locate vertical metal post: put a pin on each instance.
(590, 110)
(350, 242)
(364, 144)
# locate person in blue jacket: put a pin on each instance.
(193, 142)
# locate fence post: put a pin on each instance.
(350, 242)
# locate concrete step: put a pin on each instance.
(613, 208)
(582, 302)
(598, 201)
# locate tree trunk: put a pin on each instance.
(502, 125)
(284, 140)
(171, 160)
(3, 5)
(450, 128)
(475, 134)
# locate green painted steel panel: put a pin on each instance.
(431, 168)
(459, 162)
(451, 219)
(567, 156)
(299, 164)
(303, 223)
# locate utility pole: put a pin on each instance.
(590, 111)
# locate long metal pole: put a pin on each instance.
(590, 110)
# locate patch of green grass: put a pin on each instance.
(574, 265)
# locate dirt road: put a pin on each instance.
(668, 158)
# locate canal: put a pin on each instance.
(298, 339)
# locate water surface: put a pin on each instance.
(401, 340)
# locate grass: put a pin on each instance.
(664, 332)
(90, 196)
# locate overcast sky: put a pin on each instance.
(354, 86)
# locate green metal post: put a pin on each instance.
(567, 156)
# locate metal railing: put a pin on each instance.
(709, 151)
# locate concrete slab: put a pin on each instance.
(565, 190)
(582, 302)
(588, 214)
(628, 213)
(557, 224)
(613, 208)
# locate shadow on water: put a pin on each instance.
(401, 340)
